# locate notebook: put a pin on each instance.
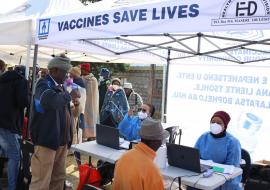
(109, 136)
(185, 157)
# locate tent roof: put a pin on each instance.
(17, 17)
(139, 31)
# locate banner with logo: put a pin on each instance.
(196, 91)
(164, 17)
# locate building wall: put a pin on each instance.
(150, 90)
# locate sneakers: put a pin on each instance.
(68, 184)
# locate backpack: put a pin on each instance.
(89, 175)
(106, 171)
(259, 178)
(24, 176)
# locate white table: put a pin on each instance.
(111, 155)
(199, 181)
(98, 151)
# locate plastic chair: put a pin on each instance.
(174, 131)
(245, 167)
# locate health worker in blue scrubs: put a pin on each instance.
(221, 147)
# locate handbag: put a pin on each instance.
(88, 175)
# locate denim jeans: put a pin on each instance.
(10, 148)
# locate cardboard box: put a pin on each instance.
(262, 162)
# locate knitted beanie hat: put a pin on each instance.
(225, 117)
(61, 62)
(116, 79)
(104, 72)
(76, 71)
(86, 67)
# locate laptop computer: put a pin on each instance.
(108, 136)
(185, 157)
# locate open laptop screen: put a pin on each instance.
(107, 136)
(184, 157)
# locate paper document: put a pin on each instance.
(222, 168)
(207, 162)
(123, 143)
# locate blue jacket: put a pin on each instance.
(129, 127)
(49, 126)
(225, 150)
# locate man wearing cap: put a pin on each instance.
(220, 146)
(115, 104)
(91, 113)
(136, 169)
(104, 82)
(134, 99)
(13, 100)
(131, 123)
(51, 127)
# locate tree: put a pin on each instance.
(96, 67)
(113, 67)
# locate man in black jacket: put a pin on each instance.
(13, 100)
(51, 127)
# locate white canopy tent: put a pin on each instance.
(17, 31)
(145, 31)
(215, 32)
(17, 27)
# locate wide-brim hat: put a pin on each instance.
(152, 130)
(127, 85)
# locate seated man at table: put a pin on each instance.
(221, 147)
(136, 169)
(131, 123)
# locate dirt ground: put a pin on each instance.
(73, 175)
(73, 171)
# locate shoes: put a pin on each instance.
(68, 184)
(91, 138)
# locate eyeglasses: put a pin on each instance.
(142, 109)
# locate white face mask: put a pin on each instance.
(101, 78)
(115, 87)
(142, 115)
(215, 128)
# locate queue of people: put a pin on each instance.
(69, 102)
(14, 99)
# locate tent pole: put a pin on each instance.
(33, 85)
(27, 64)
(28, 53)
(164, 118)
